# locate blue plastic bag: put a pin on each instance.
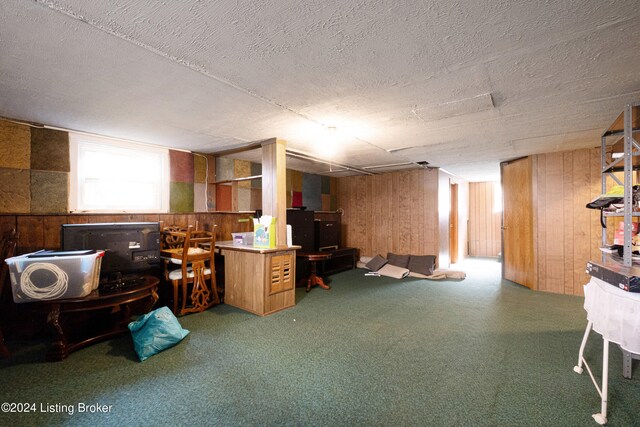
(156, 331)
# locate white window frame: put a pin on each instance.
(81, 143)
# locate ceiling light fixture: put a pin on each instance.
(328, 146)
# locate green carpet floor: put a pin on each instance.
(372, 351)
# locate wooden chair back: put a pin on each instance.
(172, 236)
(197, 267)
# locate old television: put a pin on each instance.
(131, 248)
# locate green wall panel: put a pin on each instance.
(224, 169)
(181, 197)
(312, 191)
(326, 185)
(50, 150)
(49, 192)
(256, 169)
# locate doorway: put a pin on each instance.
(453, 224)
(517, 222)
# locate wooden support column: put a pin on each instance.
(274, 185)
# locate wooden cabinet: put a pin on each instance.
(260, 281)
(302, 229)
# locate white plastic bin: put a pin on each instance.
(51, 275)
(243, 238)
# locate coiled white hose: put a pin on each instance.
(53, 291)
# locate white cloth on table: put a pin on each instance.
(615, 313)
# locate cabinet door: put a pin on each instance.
(281, 272)
(518, 257)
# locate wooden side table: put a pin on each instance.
(118, 301)
(314, 258)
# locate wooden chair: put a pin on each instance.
(197, 267)
(7, 250)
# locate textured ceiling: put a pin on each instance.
(460, 84)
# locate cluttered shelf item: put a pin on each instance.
(194, 251)
(117, 305)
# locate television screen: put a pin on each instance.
(130, 247)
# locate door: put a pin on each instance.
(518, 262)
(453, 224)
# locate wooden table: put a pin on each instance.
(314, 258)
(119, 301)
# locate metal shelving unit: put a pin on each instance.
(626, 125)
(624, 156)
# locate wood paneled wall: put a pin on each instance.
(43, 231)
(393, 212)
(484, 221)
(567, 234)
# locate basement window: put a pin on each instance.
(109, 175)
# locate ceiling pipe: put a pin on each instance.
(303, 156)
(390, 165)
